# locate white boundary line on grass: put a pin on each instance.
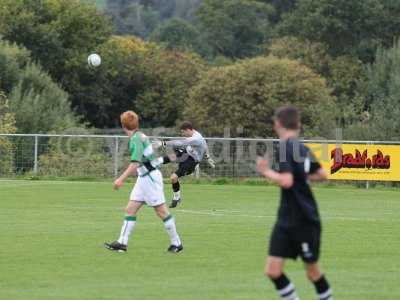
(230, 213)
(217, 213)
(223, 213)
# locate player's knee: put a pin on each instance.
(313, 274)
(174, 178)
(162, 211)
(273, 273)
(162, 214)
(129, 211)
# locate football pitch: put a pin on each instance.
(52, 236)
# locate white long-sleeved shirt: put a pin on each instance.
(195, 145)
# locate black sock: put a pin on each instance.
(323, 289)
(176, 187)
(166, 160)
(284, 287)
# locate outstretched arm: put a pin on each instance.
(190, 141)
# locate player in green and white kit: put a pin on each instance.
(149, 187)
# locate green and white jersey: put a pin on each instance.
(142, 152)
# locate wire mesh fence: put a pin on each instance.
(107, 155)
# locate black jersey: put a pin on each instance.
(298, 206)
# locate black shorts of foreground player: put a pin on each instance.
(189, 152)
(298, 228)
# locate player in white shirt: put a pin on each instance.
(190, 151)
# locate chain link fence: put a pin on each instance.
(105, 156)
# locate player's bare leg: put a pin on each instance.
(315, 275)
(176, 189)
(274, 271)
(131, 211)
(169, 224)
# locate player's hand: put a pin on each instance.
(118, 183)
(262, 165)
(210, 162)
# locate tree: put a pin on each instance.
(353, 28)
(178, 34)
(168, 77)
(59, 34)
(36, 101)
(7, 125)
(342, 73)
(312, 54)
(114, 86)
(12, 60)
(234, 28)
(166, 9)
(381, 94)
(7, 119)
(246, 94)
(281, 7)
(134, 18)
(39, 104)
(186, 9)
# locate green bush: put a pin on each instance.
(247, 93)
(76, 157)
(75, 165)
(39, 104)
(7, 125)
(167, 79)
(12, 60)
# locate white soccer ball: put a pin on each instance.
(94, 60)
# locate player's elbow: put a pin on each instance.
(133, 167)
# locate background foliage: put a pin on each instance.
(246, 94)
(164, 59)
(7, 125)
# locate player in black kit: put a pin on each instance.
(297, 231)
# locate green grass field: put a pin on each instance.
(52, 236)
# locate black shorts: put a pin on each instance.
(303, 241)
(186, 166)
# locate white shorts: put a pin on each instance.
(149, 189)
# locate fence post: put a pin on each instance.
(35, 160)
(116, 151)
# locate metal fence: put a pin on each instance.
(53, 155)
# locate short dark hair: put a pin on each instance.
(288, 116)
(186, 125)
